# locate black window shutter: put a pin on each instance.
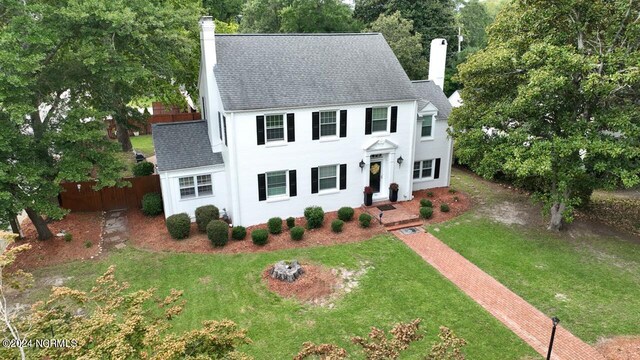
(260, 129)
(315, 124)
(343, 176)
(394, 119)
(291, 128)
(262, 187)
(314, 180)
(343, 123)
(293, 185)
(367, 121)
(220, 125)
(224, 124)
(436, 174)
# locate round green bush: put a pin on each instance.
(314, 216)
(426, 203)
(430, 193)
(260, 236)
(365, 220)
(205, 214)
(336, 225)
(426, 212)
(152, 204)
(218, 232)
(345, 213)
(238, 233)
(444, 208)
(291, 222)
(297, 232)
(179, 226)
(143, 168)
(275, 225)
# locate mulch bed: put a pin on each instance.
(440, 196)
(316, 283)
(620, 348)
(82, 226)
(151, 233)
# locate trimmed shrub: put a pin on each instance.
(291, 222)
(144, 168)
(68, 237)
(260, 236)
(365, 220)
(430, 193)
(444, 208)
(275, 225)
(218, 232)
(426, 212)
(152, 204)
(297, 232)
(314, 216)
(205, 214)
(88, 244)
(336, 225)
(238, 233)
(345, 213)
(426, 203)
(179, 226)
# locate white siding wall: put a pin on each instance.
(438, 147)
(171, 191)
(250, 159)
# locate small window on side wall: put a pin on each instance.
(195, 186)
(427, 126)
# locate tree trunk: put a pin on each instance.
(123, 137)
(41, 226)
(555, 223)
(15, 227)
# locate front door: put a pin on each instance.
(375, 170)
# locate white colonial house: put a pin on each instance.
(294, 120)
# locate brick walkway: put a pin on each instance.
(522, 318)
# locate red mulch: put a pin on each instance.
(151, 233)
(620, 348)
(82, 226)
(316, 283)
(440, 196)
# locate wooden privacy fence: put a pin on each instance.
(80, 196)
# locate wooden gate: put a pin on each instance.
(80, 196)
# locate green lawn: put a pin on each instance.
(592, 283)
(399, 286)
(143, 144)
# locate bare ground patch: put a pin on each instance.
(620, 348)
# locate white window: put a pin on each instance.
(328, 123)
(194, 186)
(276, 183)
(379, 119)
(423, 169)
(275, 127)
(328, 177)
(427, 126)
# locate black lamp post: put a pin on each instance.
(553, 334)
(361, 165)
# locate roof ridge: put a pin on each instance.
(179, 122)
(421, 81)
(298, 34)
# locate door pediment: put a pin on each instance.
(380, 145)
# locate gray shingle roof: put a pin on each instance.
(273, 71)
(428, 92)
(182, 145)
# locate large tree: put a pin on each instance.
(553, 100)
(405, 43)
(65, 66)
(223, 10)
(474, 19)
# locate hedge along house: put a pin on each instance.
(294, 120)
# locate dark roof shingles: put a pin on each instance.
(183, 145)
(428, 91)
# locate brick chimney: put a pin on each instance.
(437, 61)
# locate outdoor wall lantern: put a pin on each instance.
(400, 160)
(361, 165)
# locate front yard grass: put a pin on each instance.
(143, 144)
(398, 286)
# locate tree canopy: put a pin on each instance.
(552, 102)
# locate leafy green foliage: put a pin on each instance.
(346, 213)
(224, 10)
(297, 232)
(426, 203)
(68, 237)
(336, 225)
(405, 43)
(152, 204)
(314, 216)
(444, 208)
(474, 19)
(275, 225)
(218, 232)
(365, 220)
(205, 214)
(179, 226)
(144, 168)
(553, 100)
(260, 236)
(291, 222)
(426, 212)
(238, 233)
